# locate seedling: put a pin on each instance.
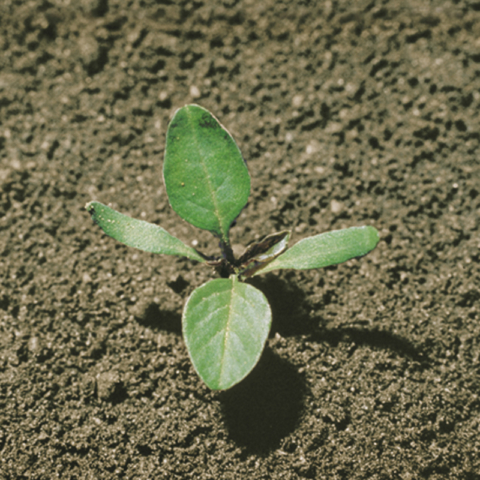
(226, 321)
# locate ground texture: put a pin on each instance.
(348, 113)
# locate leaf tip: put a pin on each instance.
(90, 208)
(373, 236)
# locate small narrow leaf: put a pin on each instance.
(261, 253)
(225, 327)
(205, 175)
(139, 234)
(326, 249)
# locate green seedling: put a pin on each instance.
(226, 321)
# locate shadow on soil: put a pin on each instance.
(374, 338)
(290, 308)
(265, 407)
(153, 317)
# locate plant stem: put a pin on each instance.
(227, 252)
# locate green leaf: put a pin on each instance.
(139, 234)
(205, 175)
(225, 327)
(261, 253)
(326, 249)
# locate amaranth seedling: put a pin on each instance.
(226, 321)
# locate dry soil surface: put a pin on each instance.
(347, 113)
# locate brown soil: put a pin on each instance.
(348, 113)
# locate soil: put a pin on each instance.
(347, 113)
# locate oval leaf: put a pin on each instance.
(205, 175)
(326, 249)
(139, 234)
(225, 326)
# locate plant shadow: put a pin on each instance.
(265, 407)
(291, 317)
(373, 337)
(156, 319)
(288, 304)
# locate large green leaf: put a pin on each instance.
(225, 327)
(205, 175)
(139, 234)
(326, 249)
